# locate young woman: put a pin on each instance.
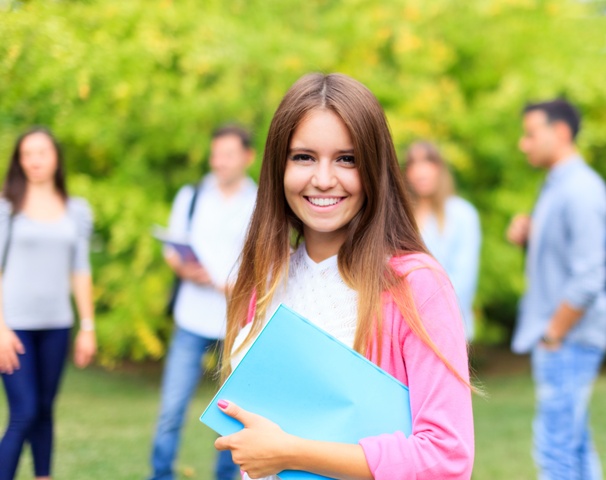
(356, 267)
(44, 245)
(450, 225)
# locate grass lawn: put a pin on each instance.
(105, 422)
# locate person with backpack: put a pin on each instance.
(213, 216)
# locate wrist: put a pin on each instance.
(550, 339)
(87, 325)
(294, 448)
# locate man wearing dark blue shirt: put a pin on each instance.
(562, 317)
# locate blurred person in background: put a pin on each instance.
(562, 316)
(213, 216)
(44, 247)
(450, 225)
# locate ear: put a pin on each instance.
(563, 131)
(250, 157)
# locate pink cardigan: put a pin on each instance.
(441, 446)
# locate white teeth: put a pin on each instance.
(323, 202)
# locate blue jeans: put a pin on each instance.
(182, 372)
(564, 378)
(31, 392)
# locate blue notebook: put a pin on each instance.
(312, 386)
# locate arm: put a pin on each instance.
(586, 219)
(262, 448)
(85, 346)
(191, 271)
(563, 320)
(177, 225)
(464, 264)
(519, 230)
(442, 441)
(10, 345)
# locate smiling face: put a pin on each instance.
(38, 158)
(321, 182)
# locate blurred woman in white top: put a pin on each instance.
(449, 225)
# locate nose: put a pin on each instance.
(324, 177)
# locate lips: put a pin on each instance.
(324, 201)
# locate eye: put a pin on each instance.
(347, 159)
(302, 157)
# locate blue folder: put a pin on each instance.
(312, 386)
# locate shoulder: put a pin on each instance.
(184, 196)
(422, 272)
(460, 207)
(186, 191)
(585, 187)
(82, 214)
(6, 208)
(80, 207)
(250, 187)
(583, 176)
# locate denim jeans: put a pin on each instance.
(31, 391)
(564, 378)
(182, 373)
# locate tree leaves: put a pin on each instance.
(133, 90)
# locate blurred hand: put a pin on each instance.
(10, 349)
(261, 448)
(194, 272)
(519, 230)
(85, 348)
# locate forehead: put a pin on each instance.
(535, 118)
(418, 152)
(321, 126)
(229, 141)
(36, 140)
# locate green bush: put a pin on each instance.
(133, 89)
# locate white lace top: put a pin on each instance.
(317, 292)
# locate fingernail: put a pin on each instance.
(222, 404)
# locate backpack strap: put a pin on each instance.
(192, 206)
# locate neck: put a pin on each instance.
(563, 155)
(423, 208)
(321, 246)
(41, 189)
(231, 187)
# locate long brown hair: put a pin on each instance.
(15, 182)
(384, 227)
(445, 187)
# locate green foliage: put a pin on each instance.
(133, 89)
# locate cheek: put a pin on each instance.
(292, 184)
(353, 185)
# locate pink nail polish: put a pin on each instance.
(222, 404)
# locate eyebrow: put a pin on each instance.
(310, 150)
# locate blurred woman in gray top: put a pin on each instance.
(44, 253)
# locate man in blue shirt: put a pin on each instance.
(562, 317)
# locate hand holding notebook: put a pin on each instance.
(180, 245)
(311, 385)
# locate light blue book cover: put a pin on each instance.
(312, 386)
